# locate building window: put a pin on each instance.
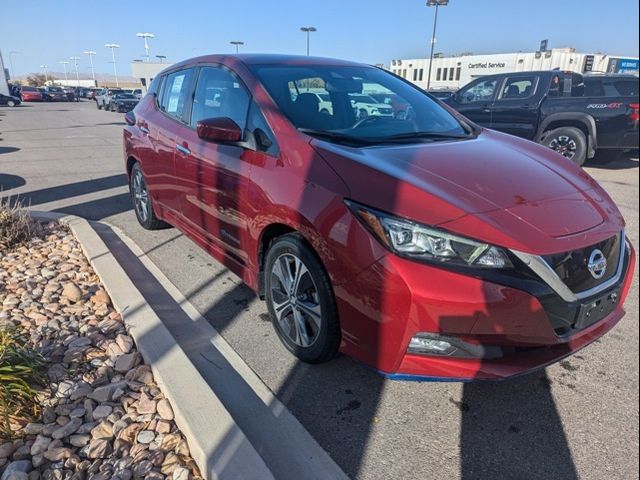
(404, 73)
(451, 73)
(420, 74)
(438, 73)
(458, 71)
(415, 74)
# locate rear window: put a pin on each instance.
(611, 87)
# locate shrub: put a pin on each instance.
(16, 226)
(21, 371)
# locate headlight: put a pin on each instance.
(420, 242)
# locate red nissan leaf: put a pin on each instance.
(419, 244)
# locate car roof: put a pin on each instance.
(266, 59)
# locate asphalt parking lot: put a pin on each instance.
(577, 419)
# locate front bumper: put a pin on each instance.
(395, 299)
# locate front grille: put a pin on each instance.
(572, 269)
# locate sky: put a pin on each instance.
(372, 31)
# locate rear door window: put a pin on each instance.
(175, 98)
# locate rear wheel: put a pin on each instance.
(11, 103)
(570, 142)
(300, 300)
(142, 200)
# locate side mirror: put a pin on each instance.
(220, 129)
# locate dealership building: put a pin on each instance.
(450, 73)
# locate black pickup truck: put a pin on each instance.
(552, 108)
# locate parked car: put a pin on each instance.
(103, 97)
(551, 108)
(427, 247)
(9, 100)
(441, 94)
(366, 106)
(122, 102)
(55, 94)
(137, 92)
(398, 105)
(30, 94)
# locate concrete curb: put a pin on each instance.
(218, 446)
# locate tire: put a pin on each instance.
(144, 209)
(570, 142)
(309, 328)
(98, 105)
(362, 114)
(324, 111)
(11, 103)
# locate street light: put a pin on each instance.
(64, 65)
(434, 3)
(161, 58)
(113, 47)
(93, 73)
(308, 30)
(11, 54)
(146, 44)
(46, 77)
(237, 43)
(75, 63)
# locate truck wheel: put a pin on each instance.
(569, 142)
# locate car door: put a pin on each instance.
(515, 109)
(475, 100)
(162, 125)
(214, 176)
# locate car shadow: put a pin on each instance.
(621, 162)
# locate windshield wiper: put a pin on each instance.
(339, 137)
(427, 135)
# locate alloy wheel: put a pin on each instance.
(564, 145)
(295, 300)
(140, 195)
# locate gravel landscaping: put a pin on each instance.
(103, 417)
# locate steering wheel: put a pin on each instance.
(366, 120)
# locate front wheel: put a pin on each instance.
(11, 103)
(142, 200)
(300, 300)
(570, 142)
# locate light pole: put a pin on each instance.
(46, 77)
(437, 4)
(237, 43)
(146, 43)
(11, 54)
(113, 47)
(75, 63)
(308, 30)
(64, 64)
(93, 73)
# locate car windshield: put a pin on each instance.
(123, 95)
(56, 89)
(29, 89)
(348, 114)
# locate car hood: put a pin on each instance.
(495, 187)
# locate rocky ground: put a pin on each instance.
(103, 416)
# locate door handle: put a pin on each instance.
(486, 110)
(182, 149)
